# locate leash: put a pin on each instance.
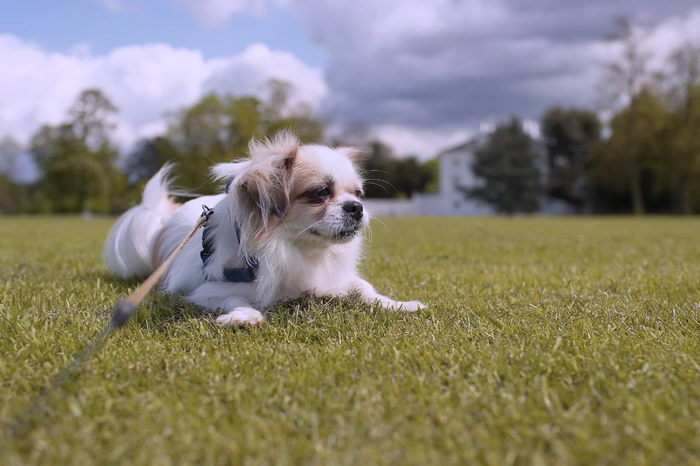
(123, 311)
(126, 307)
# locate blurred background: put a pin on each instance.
(463, 107)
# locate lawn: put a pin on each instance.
(552, 341)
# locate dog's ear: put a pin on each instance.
(227, 172)
(264, 186)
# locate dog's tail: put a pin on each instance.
(128, 249)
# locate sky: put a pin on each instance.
(420, 74)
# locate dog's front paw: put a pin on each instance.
(405, 306)
(411, 306)
(240, 317)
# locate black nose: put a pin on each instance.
(353, 208)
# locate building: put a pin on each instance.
(456, 177)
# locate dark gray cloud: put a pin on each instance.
(444, 63)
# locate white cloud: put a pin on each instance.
(214, 13)
(143, 81)
(418, 72)
(249, 72)
(666, 37)
(423, 142)
(418, 69)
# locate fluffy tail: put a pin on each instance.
(128, 249)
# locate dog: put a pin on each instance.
(290, 222)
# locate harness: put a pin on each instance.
(231, 274)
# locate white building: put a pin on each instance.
(456, 177)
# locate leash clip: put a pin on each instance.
(206, 211)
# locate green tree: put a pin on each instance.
(219, 128)
(92, 118)
(432, 167)
(13, 196)
(77, 158)
(147, 157)
(681, 86)
(388, 176)
(570, 137)
(214, 129)
(637, 140)
(411, 176)
(509, 165)
(307, 128)
(377, 169)
(625, 79)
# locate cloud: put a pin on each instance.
(445, 63)
(437, 67)
(145, 82)
(249, 73)
(214, 13)
(418, 72)
(667, 36)
(423, 142)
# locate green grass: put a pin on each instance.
(554, 341)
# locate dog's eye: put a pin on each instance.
(319, 194)
(322, 192)
(359, 193)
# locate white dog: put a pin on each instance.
(290, 223)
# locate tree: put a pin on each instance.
(278, 114)
(637, 140)
(432, 167)
(411, 176)
(570, 136)
(377, 168)
(681, 87)
(509, 165)
(13, 196)
(92, 118)
(305, 126)
(77, 158)
(214, 129)
(625, 79)
(388, 176)
(219, 129)
(147, 157)
(276, 105)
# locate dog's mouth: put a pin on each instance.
(339, 235)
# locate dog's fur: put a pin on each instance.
(298, 212)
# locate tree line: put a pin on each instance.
(80, 168)
(644, 158)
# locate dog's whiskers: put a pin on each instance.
(306, 229)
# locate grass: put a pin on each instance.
(549, 341)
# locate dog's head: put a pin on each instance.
(309, 193)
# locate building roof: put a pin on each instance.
(470, 145)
